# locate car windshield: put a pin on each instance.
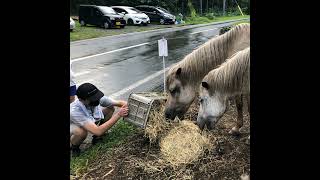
(163, 10)
(133, 11)
(107, 10)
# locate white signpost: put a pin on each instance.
(163, 51)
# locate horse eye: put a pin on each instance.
(173, 91)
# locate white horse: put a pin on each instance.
(182, 82)
(230, 79)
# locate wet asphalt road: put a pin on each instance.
(119, 65)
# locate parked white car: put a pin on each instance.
(132, 15)
(72, 24)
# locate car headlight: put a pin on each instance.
(111, 18)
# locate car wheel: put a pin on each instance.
(161, 21)
(130, 22)
(83, 23)
(145, 24)
(106, 25)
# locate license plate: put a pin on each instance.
(118, 23)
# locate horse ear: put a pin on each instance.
(205, 85)
(178, 72)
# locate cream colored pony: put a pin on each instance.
(230, 79)
(183, 79)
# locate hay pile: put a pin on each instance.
(184, 144)
(157, 126)
(180, 142)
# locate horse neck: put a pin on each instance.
(232, 78)
(209, 56)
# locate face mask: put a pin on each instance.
(95, 103)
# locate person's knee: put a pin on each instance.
(108, 112)
(72, 98)
(112, 109)
(80, 132)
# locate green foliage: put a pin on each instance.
(118, 134)
(193, 13)
(210, 16)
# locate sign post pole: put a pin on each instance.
(163, 51)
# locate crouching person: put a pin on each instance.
(92, 112)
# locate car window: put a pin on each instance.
(97, 12)
(117, 10)
(107, 10)
(146, 9)
(163, 10)
(133, 11)
(85, 10)
(141, 8)
(153, 9)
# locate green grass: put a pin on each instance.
(204, 20)
(118, 134)
(88, 32)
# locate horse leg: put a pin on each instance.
(239, 105)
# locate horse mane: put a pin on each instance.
(232, 76)
(211, 54)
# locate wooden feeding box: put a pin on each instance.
(140, 105)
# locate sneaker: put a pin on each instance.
(75, 150)
(96, 139)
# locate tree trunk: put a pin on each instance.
(200, 7)
(224, 7)
(212, 5)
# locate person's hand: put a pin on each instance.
(125, 105)
(123, 111)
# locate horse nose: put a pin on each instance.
(168, 114)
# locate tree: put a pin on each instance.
(224, 7)
(201, 7)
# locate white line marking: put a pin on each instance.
(87, 57)
(138, 83)
(203, 31)
(81, 73)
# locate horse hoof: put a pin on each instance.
(234, 131)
